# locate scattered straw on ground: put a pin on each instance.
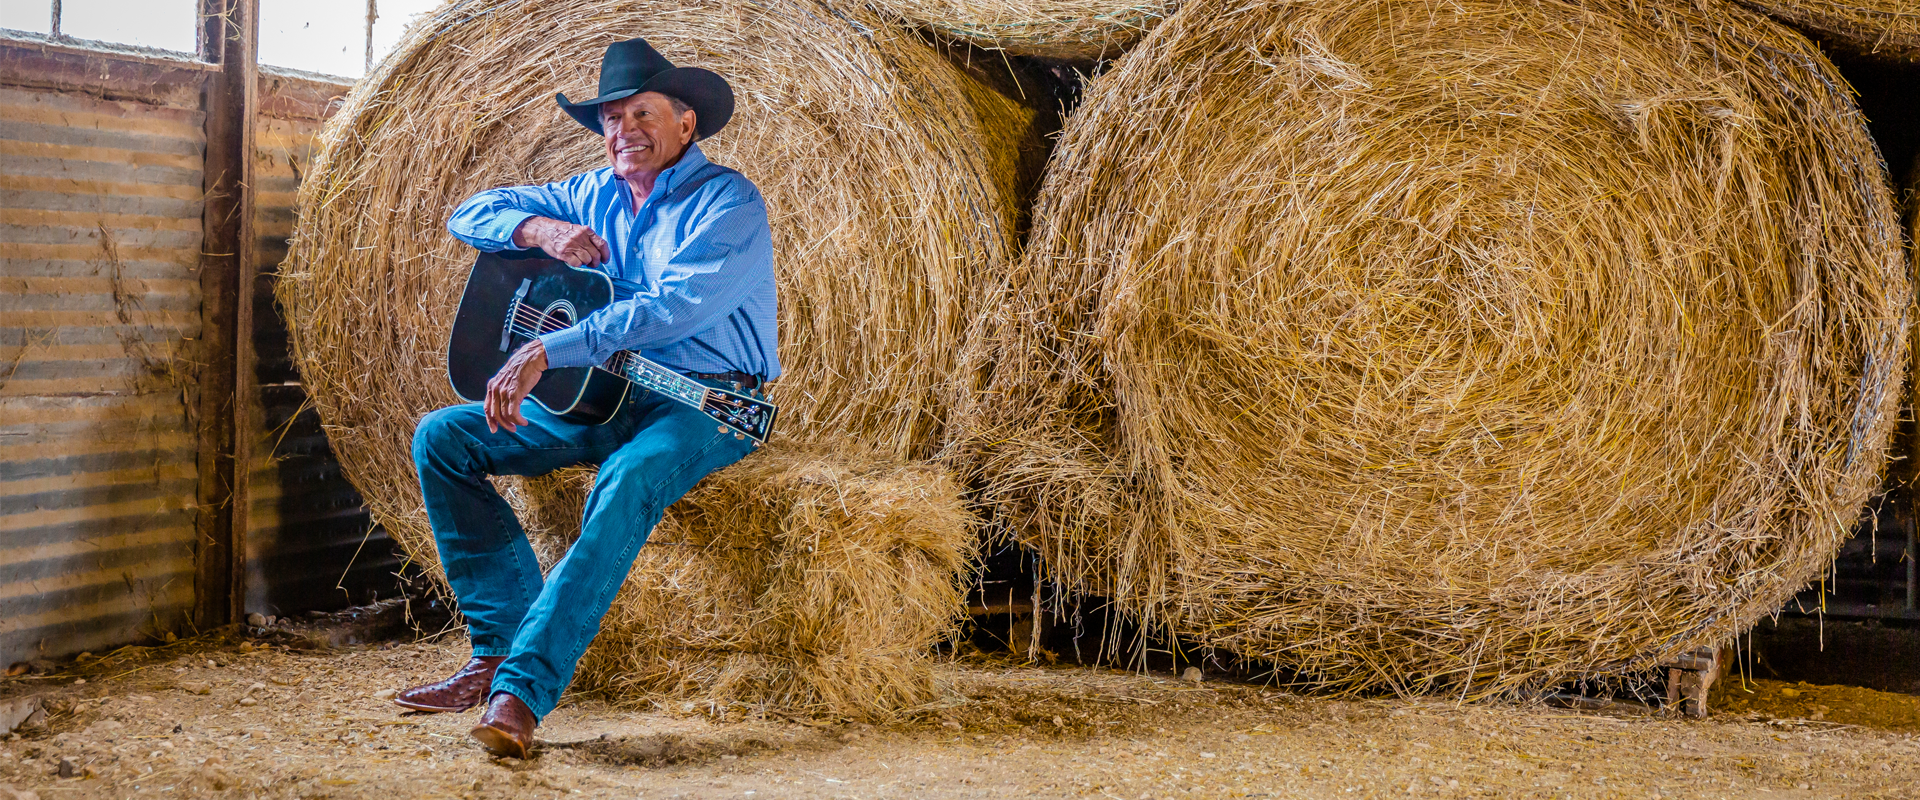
(1771, 700)
(1877, 27)
(1065, 30)
(313, 729)
(1452, 346)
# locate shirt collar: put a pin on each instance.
(690, 162)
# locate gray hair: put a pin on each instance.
(679, 107)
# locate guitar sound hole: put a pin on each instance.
(556, 316)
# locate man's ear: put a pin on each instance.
(690, 123)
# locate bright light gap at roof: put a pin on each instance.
(327, 38)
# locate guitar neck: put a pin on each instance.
(749, 417)
(654, 377)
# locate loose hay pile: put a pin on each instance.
(1065, 30)
(1879, 27)
(890, 177)
(1463, 345)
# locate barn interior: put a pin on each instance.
(215, 576)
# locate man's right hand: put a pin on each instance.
(577, 245)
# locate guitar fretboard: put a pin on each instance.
(657, 378)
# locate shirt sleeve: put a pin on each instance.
(487, 220)
(727, 254)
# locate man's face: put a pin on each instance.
(644, 135)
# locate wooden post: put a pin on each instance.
(1910, 493)
(1690, 680)
(1906, 441)
(229, 30)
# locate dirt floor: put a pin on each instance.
(238, 720)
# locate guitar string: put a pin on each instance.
(542, 322)
(548, 323)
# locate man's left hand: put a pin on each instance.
(510, 386)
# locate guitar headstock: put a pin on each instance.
(751, 417)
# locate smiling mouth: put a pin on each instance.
(629, 150)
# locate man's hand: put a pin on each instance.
(510, 386)
(577, 245)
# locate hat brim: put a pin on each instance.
(702, 90)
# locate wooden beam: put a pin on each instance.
(227, 272)
(299, 97)
(107, 74)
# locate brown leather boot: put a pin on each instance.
(462, 691)
(506, 729)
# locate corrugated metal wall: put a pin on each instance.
(310, 541)
(100, 206)
(101, 185)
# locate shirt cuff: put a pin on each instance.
(567, 347)
(510, 221)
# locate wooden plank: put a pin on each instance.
(229, 36)
(299, 97)
(107, 74)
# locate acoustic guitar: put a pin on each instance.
(513, 297)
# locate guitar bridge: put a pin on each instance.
(513, 311)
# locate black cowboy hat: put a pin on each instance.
(633, 66)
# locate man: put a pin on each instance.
(687, 246)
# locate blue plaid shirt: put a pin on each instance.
(692, 268)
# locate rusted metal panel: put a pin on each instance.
(100, 218)
(310, 541)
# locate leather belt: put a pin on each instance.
(740, 380)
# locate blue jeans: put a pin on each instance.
(650, 454)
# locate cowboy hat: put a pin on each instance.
(633, 66)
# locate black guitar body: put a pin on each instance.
(550, 295)
(514, 297)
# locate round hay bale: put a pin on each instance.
(1464, 345)
(1877, 27)
(889, 175)
(1063, 30)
